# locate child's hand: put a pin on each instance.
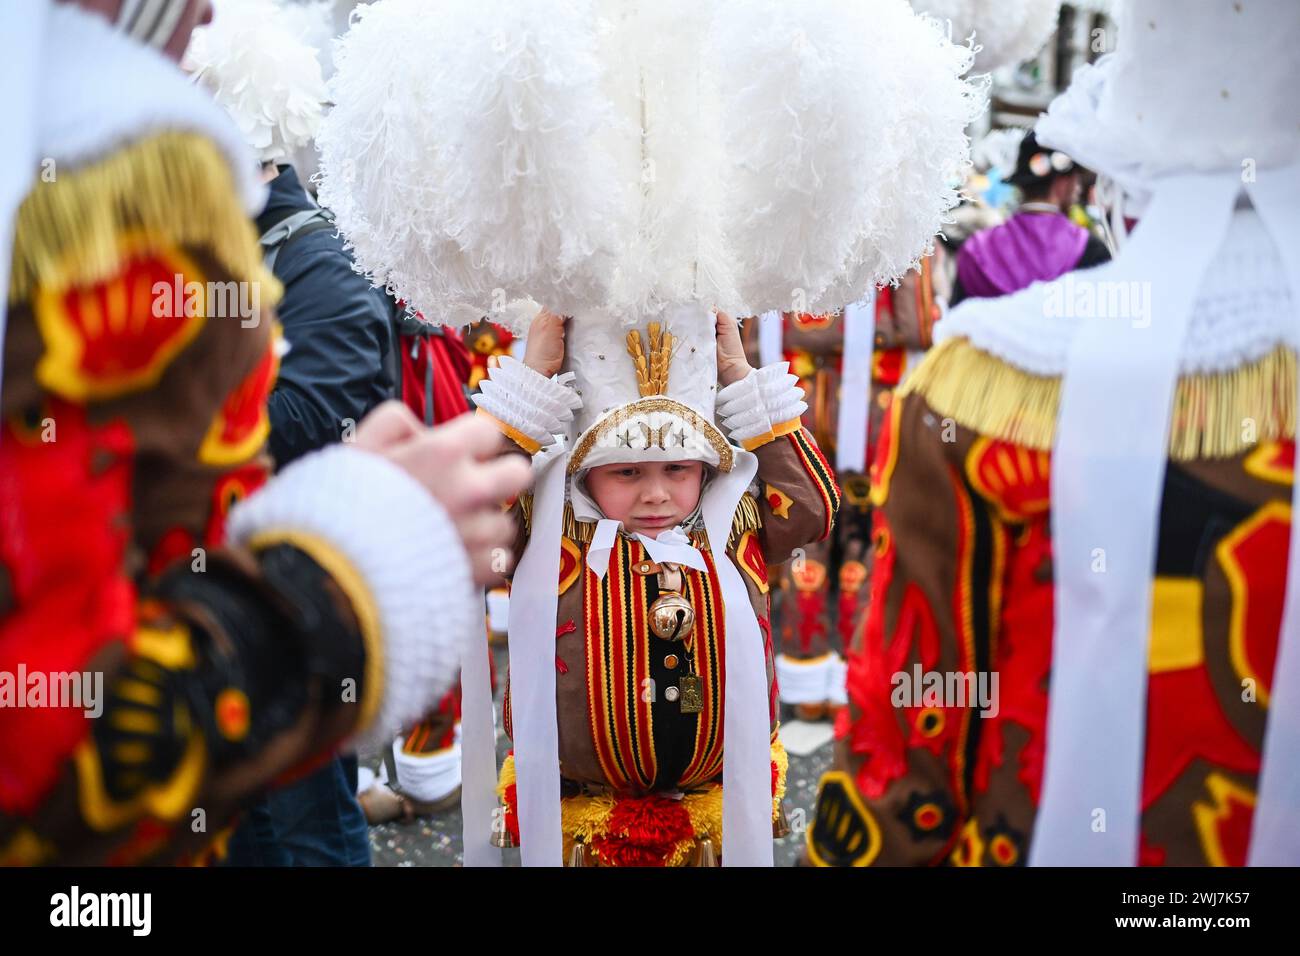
(544, 351)
(732, 363)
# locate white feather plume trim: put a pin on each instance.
(462, 172)
(1006, 31)
(262, 73)
(613, 160)
(670, 144)
(920, 152)
(818, 128)
(516, 316)
(313, 22)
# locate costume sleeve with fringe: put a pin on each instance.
(134, 422)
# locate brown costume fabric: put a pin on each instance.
(132, 482)
(963, 582)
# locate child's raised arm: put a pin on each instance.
(762, 409)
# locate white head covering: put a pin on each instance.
(1195, 107)
(623, 416)
(75, 88)
(22, 40)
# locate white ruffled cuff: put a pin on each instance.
(529, 407)
(766, 403)
(396, 554)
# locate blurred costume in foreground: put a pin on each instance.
(1073, 651)
(654, 170)
(140, 352)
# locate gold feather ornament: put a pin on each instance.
(651, 371)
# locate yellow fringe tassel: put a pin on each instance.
(1218, 415)
(176, 187)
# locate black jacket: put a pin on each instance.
(339, 330)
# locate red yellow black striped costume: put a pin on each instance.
(621, 749)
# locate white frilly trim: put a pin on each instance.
(404, 547)
(1006, 31)
(806, 682)
(764, 398)
(1244, 310)
(527, 400)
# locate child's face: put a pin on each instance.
(649, 497)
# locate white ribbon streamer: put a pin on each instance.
(769, 339)
(602, 543)
(671, 547)
(747, 757)
(478, 793)
(1275, 835)
(855, 385)
(534, 601)
(1108, 471)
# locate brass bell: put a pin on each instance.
(672, 617)
(578, 854)
(708, 856)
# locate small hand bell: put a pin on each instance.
(672, 617)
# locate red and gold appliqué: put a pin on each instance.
(108, 338)
(242, 423)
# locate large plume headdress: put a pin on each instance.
(1006, 31)
(620, 159)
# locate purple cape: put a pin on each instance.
(1027, 248)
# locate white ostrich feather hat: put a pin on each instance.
(1190, 87)
(259, 68)
(613, 160)
(1006, 31)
